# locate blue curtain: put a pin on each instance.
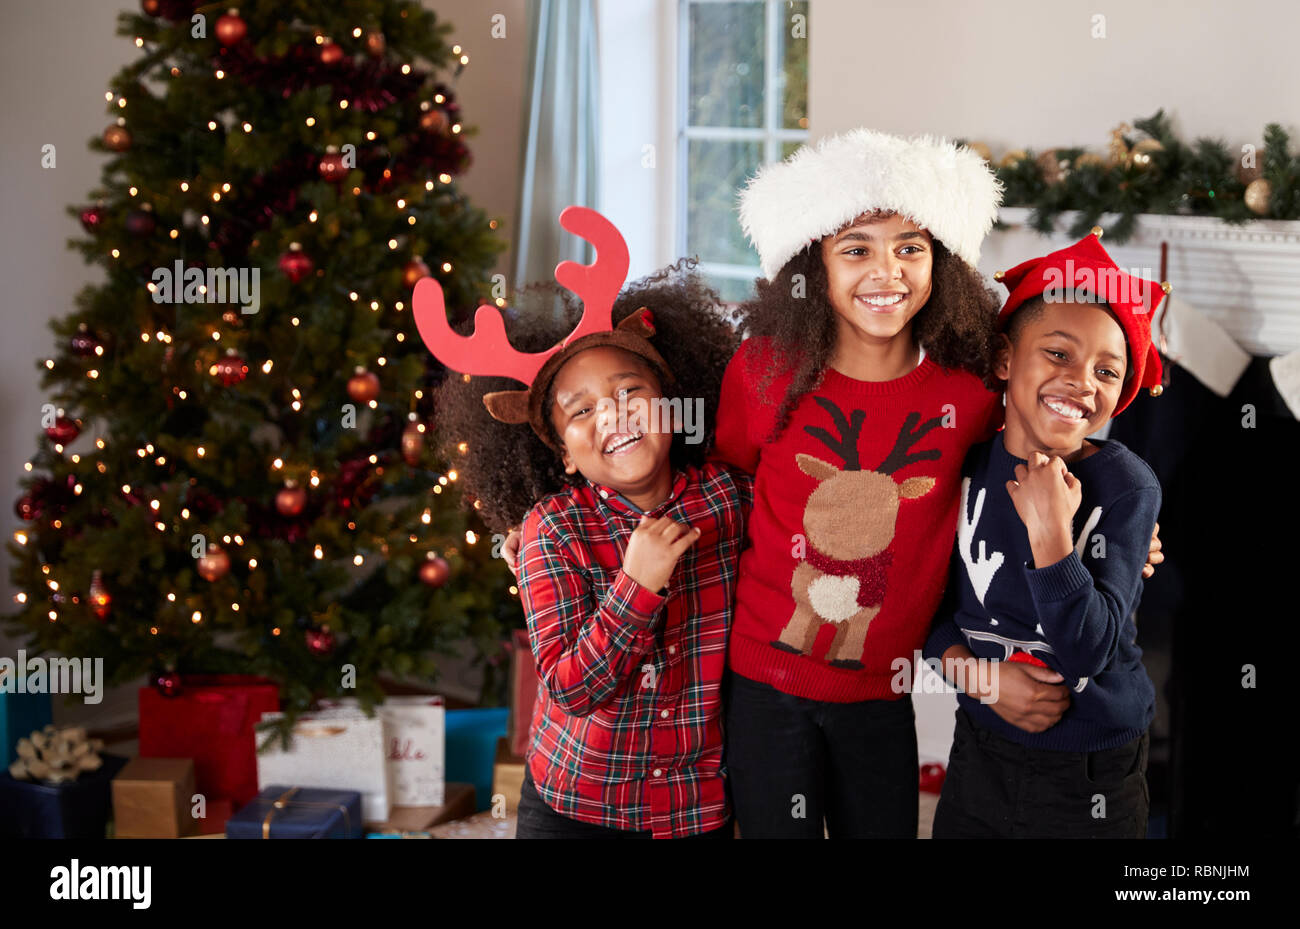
(560, 156)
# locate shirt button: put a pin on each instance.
(672, 649)
(604, 493)
(663, 714)
(659, 772)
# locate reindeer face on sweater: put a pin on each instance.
(874, 495)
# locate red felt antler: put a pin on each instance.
(487, 350)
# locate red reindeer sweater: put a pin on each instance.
(815, 503)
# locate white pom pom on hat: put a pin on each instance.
(949, 191)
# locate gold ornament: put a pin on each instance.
(1090, 158)
(1258, 193)
(1140, 156)
(1052, 167)
(1012, 158)
(1117, 148)
(979, 148)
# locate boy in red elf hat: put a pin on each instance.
(1051, 540)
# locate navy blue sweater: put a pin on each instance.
(1075, 615)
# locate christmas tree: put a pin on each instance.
(235, 472)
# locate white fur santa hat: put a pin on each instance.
(949, 191)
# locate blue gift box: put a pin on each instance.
(20, 716)
(279, 812)
(472, 748)
(72, 810)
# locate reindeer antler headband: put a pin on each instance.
(487, 351)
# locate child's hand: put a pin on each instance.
(1046, 495)
(653, 550)
(1027, 696)
(510, 550)
(1154, 555)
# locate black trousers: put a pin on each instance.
(996, 788)
(536, 820)
(805, 768)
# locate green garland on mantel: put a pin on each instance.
(1154, 172)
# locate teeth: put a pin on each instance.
(1065, 409)
(883, 301)
(625, 442)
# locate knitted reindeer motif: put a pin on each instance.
(849, 523)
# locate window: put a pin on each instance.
(742, 102)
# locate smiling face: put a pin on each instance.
(878, 275)
(628, 457)
(1065, 366)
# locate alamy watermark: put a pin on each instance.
(659, 415)
(180, 284)
(1086, 284)
(38, 675)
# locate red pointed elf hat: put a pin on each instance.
(1086, 267)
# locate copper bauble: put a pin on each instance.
(214, 564)
(434, 571)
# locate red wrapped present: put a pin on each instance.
(211, 720)
(523, 692)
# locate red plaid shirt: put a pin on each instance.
(627, 729)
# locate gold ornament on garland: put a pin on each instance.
(1258, 193)
(1117, 149)
(1140, 155)
(1012, 158)
(979, 148)
(1090, 159)
(1052, 167)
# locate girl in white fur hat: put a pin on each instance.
(863, 382)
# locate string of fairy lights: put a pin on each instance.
(117, 137)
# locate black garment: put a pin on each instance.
(1219, 611)
(795, 762)
(996, 788)
(536, 820)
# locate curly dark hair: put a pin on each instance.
(506, 468)
(955, 327)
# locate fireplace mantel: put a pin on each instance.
(1244, 277)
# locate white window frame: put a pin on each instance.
(770, 133)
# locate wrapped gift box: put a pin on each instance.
(72, 810)
(341, 749)
(415, 747)
(507, 776)
(411, 819)
(210, 721)
(472, 747)
(20, 716)
(280, 812)
(523, 692)
(152, 799)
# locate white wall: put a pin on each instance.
(56, 58)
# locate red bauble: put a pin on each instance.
(91, 217)
(231, 29)
(363, 386)
(168, 683)
(140, 223)
(319, 641)
(295, 263)
(434, 572)
(101, 604)
(413, 271)
(331, 54)
(150, 7)
(230, 369)
(331, 166)
(84, 342)
(117, 138)
(412, 443)
(26, 507)
(435, 120)
(63, 430)
(214, 565)
(290, 500)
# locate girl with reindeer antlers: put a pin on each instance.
(630, 542)
(865, 379)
